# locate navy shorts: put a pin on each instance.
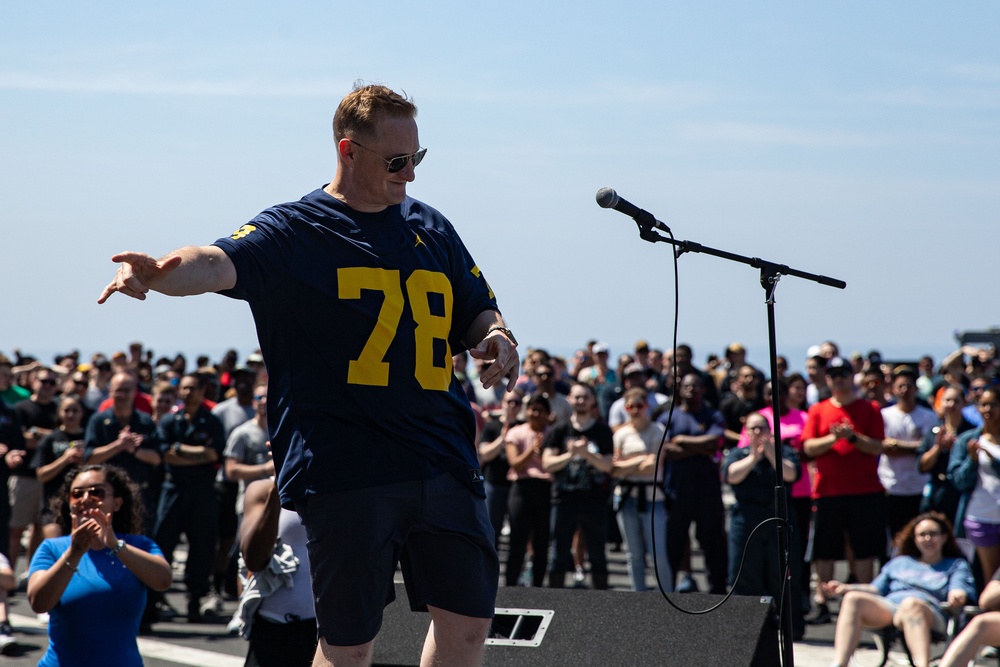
(438, 530)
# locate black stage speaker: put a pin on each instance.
(552, 628)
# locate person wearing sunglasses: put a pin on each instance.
(361, 296)
(750, 472)
(38, 417)
(843, 436)
(247, 457)
(92, 581)
(638, 497)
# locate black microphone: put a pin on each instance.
(608, 198)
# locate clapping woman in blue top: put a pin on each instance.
(92, 581)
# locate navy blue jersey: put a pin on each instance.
(358, 316)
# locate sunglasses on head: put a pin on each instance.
(397, 163)
(96, 492)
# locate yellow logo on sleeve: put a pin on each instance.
(243, 231)
(479, 274)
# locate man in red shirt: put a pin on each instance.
(843, 435)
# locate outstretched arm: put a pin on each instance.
(183, 272)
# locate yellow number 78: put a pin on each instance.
(370, 368)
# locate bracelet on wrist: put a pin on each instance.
(70, 565)
(118, 547)
(504, 330)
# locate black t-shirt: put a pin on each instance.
(34, 414)
(734, 409)
(51, 448)
(579, 480)
(495, 471)
(10, 435)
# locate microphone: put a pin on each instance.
(608, 198)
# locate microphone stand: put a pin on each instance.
(770, 274)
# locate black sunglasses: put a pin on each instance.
(96, 492)
(397, 163)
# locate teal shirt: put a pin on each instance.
(14, 394)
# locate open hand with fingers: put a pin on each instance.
(137, 271)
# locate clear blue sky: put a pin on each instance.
(858, 140)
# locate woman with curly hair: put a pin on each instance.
(92, 581)
(909, 591)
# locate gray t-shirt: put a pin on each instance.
(247, 444)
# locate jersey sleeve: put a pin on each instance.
(261, 251)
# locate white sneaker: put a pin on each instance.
(7, 641)
(212, 604)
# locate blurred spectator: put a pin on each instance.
(928, 377)
(578, 454)
(164, 400)
(192, 445)
(743, 398)
(683, 357)
(692, 482)
(905, 424)
(10, 392)
(100, 378)
(750, 470)
(638, 496)
(38, 417)
(545, 382)
(530, 493)
(843, 435)
(935, 450)
(817, 389)
(974, 467)
(634, 377)
(12, 452)
(56, 454)
(492, 453)
(598, 374)
(125, 437)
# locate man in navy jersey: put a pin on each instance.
(361, 295)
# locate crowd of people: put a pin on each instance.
(867, 447)
(572, 462)
(581, 455)
(178, 445)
